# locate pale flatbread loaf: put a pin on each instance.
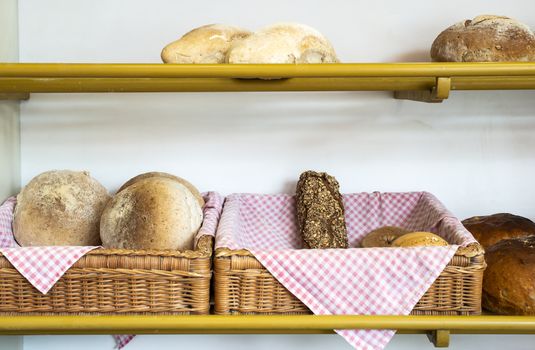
(486, 38)
(283, 43)
(60, 208)
(153, 213)
(192, 188)
(206, 44)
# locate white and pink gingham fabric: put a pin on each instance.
(122, 340)
(213, 205)
(44, 266)
(6, 218)
(377, 281)
(41, 266)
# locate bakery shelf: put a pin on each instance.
(435, 79)
(420, 81)
(437, 328)
(257, 324)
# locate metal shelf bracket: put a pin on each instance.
(437, 94)
(14, 96)
(440, 338)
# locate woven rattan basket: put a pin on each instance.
(244, 286)
(118, 281)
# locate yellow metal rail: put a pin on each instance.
(336, 70)
(212, 324)
(57, 77)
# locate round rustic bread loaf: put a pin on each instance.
(509, 279)
(206, 44)
(189, 186)
(486, 38)
(153, 213)
(283, 43)
(60, 208)
(491, 229)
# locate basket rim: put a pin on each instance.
(469, 251)
(203, 249)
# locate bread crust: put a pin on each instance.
(509, 279)
(184, 182)
(206, 44)
(152, 213)
(419, 239)
(283, 43)
(320, 211)
(490, 229)
(61, 208)
(382, 237)
(486, 38)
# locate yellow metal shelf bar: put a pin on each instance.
(336, 70)
(81, 85)
(259, 324)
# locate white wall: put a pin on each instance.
(9, 125)
(474, 151)
(9, 110)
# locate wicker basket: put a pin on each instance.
(244, 286)
(118, 281)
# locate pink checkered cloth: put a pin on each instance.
(41, 266)
(44, 266)
(376, 281)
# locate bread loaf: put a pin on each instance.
(491, 229)
(509, 279)
(382, 237)
(59, 208)
(188, 185)
(153, 213)
(320, 211)
(419, 239)
(486, 38)
(283, 43)
(206, 44)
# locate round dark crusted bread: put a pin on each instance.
(490, 229)
(485, 38)
(509, 280)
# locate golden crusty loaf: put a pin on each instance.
(419, 239)
(59, 207)
(509, 279)
(491, 229)
(153, 213)
(320, 211)
(206, 44)
(382, 237)
(283, 43)
(486, 38)
(190, 187)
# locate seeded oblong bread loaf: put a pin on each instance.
(153, 213)
(206, 44)
(283, 43)
(60, 208)
(485, 38)
(186, 183)
(320, 211)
